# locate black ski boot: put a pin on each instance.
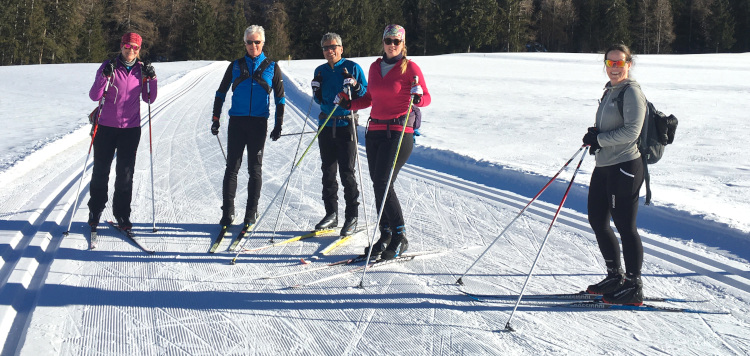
(614, 280)
(123, 222)
(251, 218)
(398, 245)
(94, 220)
(350, 224)
(328, 221)
(630, 293)
(227, 216)
(383, 241)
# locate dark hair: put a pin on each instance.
(622, 48)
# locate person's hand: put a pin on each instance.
(590, 139)
(350, 81)
(275, 133)
(416, 92)
(148, 71)
(342, 100)
(215, 125)
(108, 69)
(315, 84)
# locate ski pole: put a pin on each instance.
(299, 133)
(460, 279)
(222, 148)
(151, 155)
(359, 164)
(85, 161)
(252, 231)
(541, 248)
(299, 144)
(388, 185)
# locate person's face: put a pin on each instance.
(332, 51)
(255, 48)
(130, 51)
(617, 73)
(391, 50)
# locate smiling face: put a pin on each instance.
(253, 49)
(392, 50)
(130, 51)
(332, 51)
(617, 74)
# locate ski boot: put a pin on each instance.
(614, 280)
(629, 293)
(398, 245)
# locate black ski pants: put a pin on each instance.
(244, 132)
(381, 151)
(339, 153)
(107, 141)
(613, 193)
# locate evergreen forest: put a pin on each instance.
(69, 31)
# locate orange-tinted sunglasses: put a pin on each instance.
(616, 64)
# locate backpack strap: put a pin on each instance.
(257, 75)
(641, 138)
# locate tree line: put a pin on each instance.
(67, 31)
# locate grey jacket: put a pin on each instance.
(618, 134)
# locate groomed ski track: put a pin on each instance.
(58, 297)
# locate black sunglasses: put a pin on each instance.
(330, 48)
(389, 41)
(253, 42)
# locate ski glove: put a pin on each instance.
(351, 82)
(590, 139)
(342, 100)
(108, 69)
(315, 84)
(148, 71)
(275, 133)
(215, 125)
(417, 92)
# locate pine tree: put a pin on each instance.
(721, 26)
(92, 46)
(515, 20)
(617, 16)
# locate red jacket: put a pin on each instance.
(389, 96)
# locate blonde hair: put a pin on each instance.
(404, 61)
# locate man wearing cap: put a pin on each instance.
(338, 149)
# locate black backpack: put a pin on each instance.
(658, 131)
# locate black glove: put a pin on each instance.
(215, 125)
(315, 84)
(108, 69)
(148, 70)
(275, 133)
(590, 139)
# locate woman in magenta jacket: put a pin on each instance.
(119, 127)
(390, 88)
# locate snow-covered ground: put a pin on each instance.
(499, 127)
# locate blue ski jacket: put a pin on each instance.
(331, 85)
(249, 97)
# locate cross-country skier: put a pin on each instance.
(391, 86)
(338, 150)
(119, 127)
(252, 79)
(617, 179)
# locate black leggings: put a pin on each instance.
(380, 153)
(244, 132)
(613, 193)
(107, 141)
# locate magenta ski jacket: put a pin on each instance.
(122, 106)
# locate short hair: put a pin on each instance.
(330, 36)
(255, 29)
